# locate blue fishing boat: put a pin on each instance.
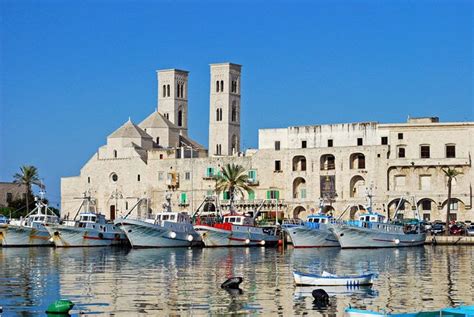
(446, 312)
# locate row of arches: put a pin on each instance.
(356, 185)
(234, 113)
(328, 162)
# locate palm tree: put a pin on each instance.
(28, 176)
(233, 179)
(450, 173)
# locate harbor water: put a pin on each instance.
(186, 282)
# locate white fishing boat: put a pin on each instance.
(328, 279)
(166, 229)
(371, 230)
(29, 231)
(91, 230)
(233, 230)
(314, 232)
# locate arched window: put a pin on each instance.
(115, 153)
(327, 162)
(178, 92)
(217, 86)
(168, 90)
(219, 114)
(234, 112)
(222, 86)
(235, 144)
(299, 188)
(299, 163)
(180, 118)
(164, 90)
(158, 140)
(357, 161)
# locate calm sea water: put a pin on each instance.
(185, 282)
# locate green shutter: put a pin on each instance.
(252, 175)
(226, 195)
(252, 195)
(277, 194)
(183, 198)
(269, 193)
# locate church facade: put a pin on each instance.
(400, 164)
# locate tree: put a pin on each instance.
(451, 173)
(233, 179)
(28, 176)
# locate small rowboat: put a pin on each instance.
(328, 279)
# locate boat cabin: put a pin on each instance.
(238, 220)
(42, 219)
(319, 218)
(90, 217)
(372, 217)
(178, 217)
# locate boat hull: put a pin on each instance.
(304, 237)
(68, 236)
(146, 235)
(317, 280)
(216, 237)
(18, 236)
(358, 237)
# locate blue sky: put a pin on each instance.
(71, 72)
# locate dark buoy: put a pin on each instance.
(232, 283)
(321, 298)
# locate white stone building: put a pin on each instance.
(291, 169)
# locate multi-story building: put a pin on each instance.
(10, 192)
(400, 164)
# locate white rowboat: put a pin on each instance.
(328, 279)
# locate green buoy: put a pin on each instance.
(61, 306)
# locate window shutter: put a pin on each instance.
(277, 194)
(252, 195)
(268, 194)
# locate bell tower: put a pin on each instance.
(173, 97)
(224, 121)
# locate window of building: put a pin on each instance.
(217, 86)
(218, 149)
(401, 152)
(160, 176)
(178, 92)
(330, 143)
(303, 144)
(9, 197)
(277, 166)
(450, 151)
(126, 205)
(164, 91)
(88, 180)
(400, 136)
(168, 90)
(114, 177)
(277, 145)
(187, 176)
(161, 156)
(183, 199)
(252, 176)
(360, 141)
(234, 112)
(454, 205)
(210, 172)
(303, 193)
(426, 204)
(138, 177)
(158, 140)
(180, 118)
(115, 153)
(222, 86)
(384, 140)
(273, 194)
(425, 151)
(427, 217)
(226, 195)
(453, 217)
(219, 114)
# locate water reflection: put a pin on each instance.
(122, 282)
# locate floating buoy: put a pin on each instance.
(61, 306)
(232, 282)
(321, 298)
(190, 238)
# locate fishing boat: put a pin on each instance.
(314, 232)
(371, 230)
(328, 279)
(166, 229)
(451, 312)
(91, 230)
(233, 230)
(29, 231)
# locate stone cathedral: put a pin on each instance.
(401, 164)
